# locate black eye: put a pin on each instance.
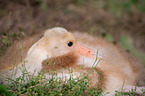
(70, 44)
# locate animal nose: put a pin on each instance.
(85, 51)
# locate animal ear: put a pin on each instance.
(54, 31)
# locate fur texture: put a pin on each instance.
(66, 64)
(52, 53)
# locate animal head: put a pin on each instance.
(58, 41)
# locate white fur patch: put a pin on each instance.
(113, 84)
(32, 63)
(35, 59)
(31, 48)
(129, 88)
(63, 76)
(88, 62)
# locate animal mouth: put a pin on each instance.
(83, 51)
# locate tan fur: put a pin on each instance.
(113, 59)
(115, 67)
(57, 64)
(114, 63)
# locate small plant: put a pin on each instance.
(6, 41)
(32, 85)
(39, 85)
(27, 84)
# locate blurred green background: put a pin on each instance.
(121, 22)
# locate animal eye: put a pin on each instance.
(70, 44)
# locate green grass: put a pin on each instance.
(31, 85)
(39, 85)
(125, 6)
